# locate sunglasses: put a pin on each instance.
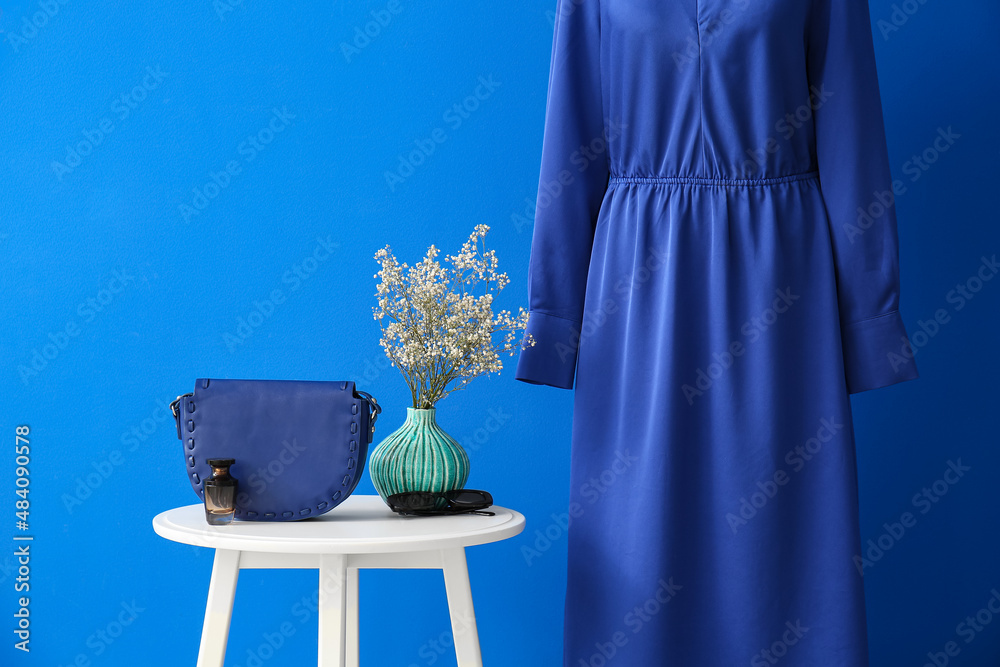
(431, 503)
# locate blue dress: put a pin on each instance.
(714, 270)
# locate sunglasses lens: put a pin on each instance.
(412, 500)
(465, 497)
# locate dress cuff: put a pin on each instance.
(552, 359)
(877, 353)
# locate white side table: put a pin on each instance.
(361, 532)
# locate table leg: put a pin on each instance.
(219, 610)
(332, 610)
(353, 659)
(463, 616)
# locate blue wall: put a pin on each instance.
(229, 139)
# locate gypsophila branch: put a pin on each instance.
(437, 321)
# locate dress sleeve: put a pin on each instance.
(572, 183)
(853, 163)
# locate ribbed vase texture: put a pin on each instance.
(418, 456)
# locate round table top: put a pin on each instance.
(360, 524)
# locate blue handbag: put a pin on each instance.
(300, 446)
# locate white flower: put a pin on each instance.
(437, 327)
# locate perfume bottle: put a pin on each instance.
(220, 493)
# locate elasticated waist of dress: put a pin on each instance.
(621, 179)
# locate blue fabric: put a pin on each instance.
(713, 271)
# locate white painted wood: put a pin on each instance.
(219, 610)
(361, 524)
(332, 610)
(353, 658)
(428, 560)
(463, 615)
(413, 560)
(259, 560)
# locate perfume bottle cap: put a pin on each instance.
(221, 463)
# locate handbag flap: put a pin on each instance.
(299, 446)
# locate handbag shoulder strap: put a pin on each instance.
(374, 409)
(175, 408)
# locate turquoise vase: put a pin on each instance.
(418, 456)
